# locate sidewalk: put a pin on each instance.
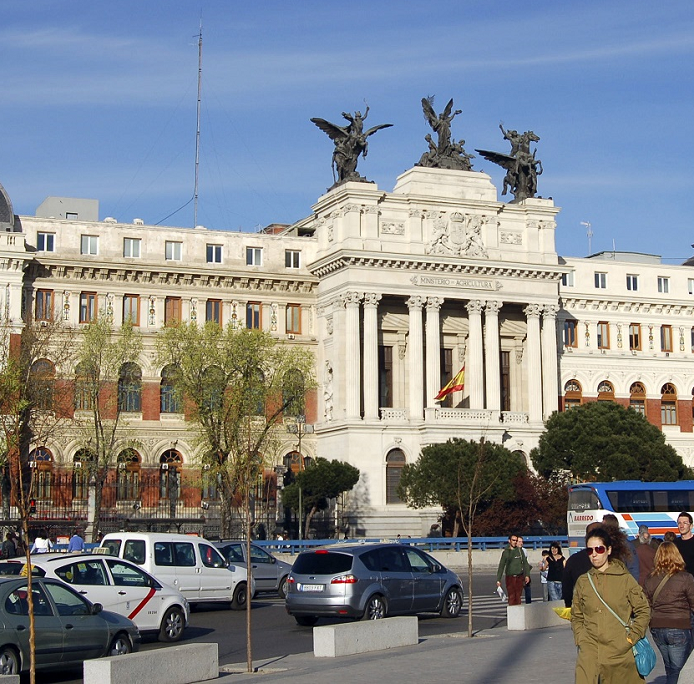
(493, 657)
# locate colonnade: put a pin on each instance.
(482, 363)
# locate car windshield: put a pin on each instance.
(322, 563)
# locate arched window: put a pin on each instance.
(605, 391)
(395, 462)
(668, 404)
(130, 388)
(573, 394)
(170, 465)
(637, 397)
(82, 462)
(170, 400)
(128, 480)
(42, 384)
(41, 464)
(84, 400)
(293, 390)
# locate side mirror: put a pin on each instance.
(96, 608)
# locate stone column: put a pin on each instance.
(371, 356)
(492, 360)
(433, 346)
(474, 367)
(352, 379)
(532, 342)
(415, 359)
(550, 380)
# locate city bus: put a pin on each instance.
(635, 503)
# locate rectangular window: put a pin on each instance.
(214, 254)
(292, 258)
(668, 412)
(638, 405)
(690, 285)
(505, 381)
(632, 283)
(634, 336)
(446, 375)
(666, 338)
(567, 279)
(571, 333)
(131, 309)
(45, 242)
(87, 307)
(600, 280)
(213, 311)
(89, 245)
(254, 256)
(294, 319)
(131, 247)
(663, 285)
(172, 310)
(603, 335)
(385, 376)
(44, 305)
(253, 315)
(173, 250)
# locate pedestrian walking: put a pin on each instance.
(576, 565)
(646, 547)
(604, 644)
(670, 592)
(76, 543)
(544, 568)
(515, 567)
(9, 548)
(555, 571)
(527, 589)
(42, 544)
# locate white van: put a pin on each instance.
(190, 564)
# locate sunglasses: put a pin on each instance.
(590, 550)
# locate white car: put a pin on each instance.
(119, 586)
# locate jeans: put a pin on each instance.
(674, 645)
(554, 591)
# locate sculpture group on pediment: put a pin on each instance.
(351, 142)
(459, 235)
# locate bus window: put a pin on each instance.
(630, 501)
(662, 500)
(680, 500)
(583, 500)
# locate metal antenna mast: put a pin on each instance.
(197, 130)
(589, 235)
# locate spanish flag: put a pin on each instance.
(455, 385)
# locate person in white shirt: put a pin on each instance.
(42, 544)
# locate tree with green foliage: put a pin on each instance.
(602, 440)
(104, 379)
(321, 481)
(461, 475)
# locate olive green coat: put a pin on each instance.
(604, 654)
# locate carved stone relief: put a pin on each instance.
(459, 235)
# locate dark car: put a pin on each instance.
(370, 582)
(269, 573)
(69, 629)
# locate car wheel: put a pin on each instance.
(121, 645)
(9, 661)
(172, 625)
(240, 597)
(452, 604)
(375, 608)
(306, 620)
(282, 588)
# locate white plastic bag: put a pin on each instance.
(502, 594)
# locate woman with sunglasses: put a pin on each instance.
(670, 591)
(604, 647)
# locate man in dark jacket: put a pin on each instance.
(576, 565)
(515, 566)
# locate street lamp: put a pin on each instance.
(300, 428)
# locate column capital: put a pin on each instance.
(351, 298)
(493, 307)
(415, 303)
(475, 306)
(533, 310)
(550, 311)
(434, 302)
(372, 299)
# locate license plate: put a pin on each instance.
(311, 587)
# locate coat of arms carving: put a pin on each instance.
(458, 235)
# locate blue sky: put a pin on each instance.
(99, 101)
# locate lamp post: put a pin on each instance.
(300, 428)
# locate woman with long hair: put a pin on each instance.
(604, 644)
(555, 567)
(670, 591)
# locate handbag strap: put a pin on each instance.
(660, 586)
(592, 584)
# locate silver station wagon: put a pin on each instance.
(370, 582)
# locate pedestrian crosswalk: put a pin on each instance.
(487, 605)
